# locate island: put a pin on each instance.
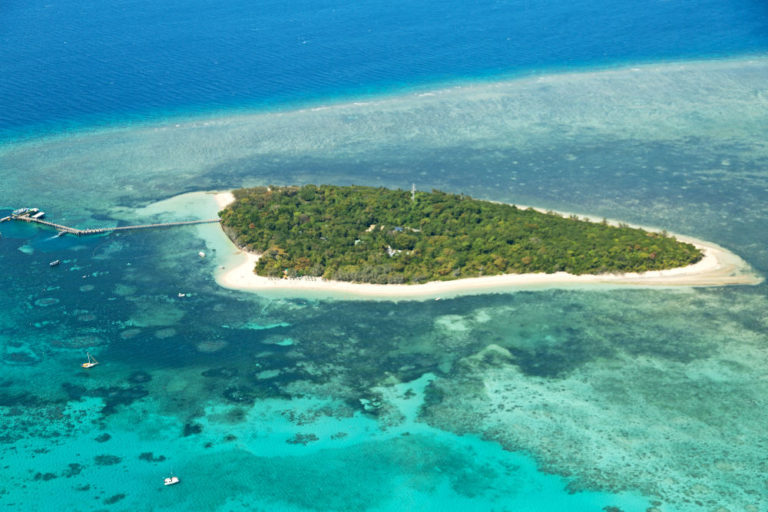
(362, 234)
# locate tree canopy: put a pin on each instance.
(377, 235)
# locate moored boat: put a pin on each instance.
(91, 361)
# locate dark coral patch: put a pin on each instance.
(113, 396)
(150, 457)
(192, 428)
(103, 438)
(73, 391)
(554, 362)
(114, 499)
(23, 399)
(303, 439)
(107, 460)
(236, 415)
(74, 469)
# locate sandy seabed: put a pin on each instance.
(718, 267)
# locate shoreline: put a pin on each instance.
(718, 267)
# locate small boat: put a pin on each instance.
(201, 254)
(171, 480)
(91, 362)
(182, 295)
(54, 263)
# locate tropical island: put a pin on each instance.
(375, 235)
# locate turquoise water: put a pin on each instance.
(548, 400)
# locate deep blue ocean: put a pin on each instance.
(72, 63)
(588, 398)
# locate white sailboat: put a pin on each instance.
(91, 361)
(171, 480)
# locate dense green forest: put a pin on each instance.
(376, 235)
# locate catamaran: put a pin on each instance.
(171, 480)
(91, 361)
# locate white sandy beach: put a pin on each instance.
(718, 267)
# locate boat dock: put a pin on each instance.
(25, 217)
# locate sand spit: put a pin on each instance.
(223, 199)
(719, 267)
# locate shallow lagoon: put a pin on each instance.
(564, 399)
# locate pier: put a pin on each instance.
(95, 231)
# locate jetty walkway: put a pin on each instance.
(94, 231)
